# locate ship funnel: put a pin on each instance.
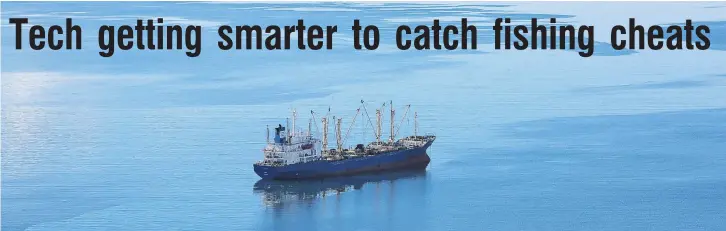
(278, 138)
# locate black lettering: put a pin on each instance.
(497, 32)
(655, 33)
(69, 37)
(37, 32)
(701, 32)
(55, 29)
(399, 37)
(329, 39)
(589, 47)
(465, 31)
(564, 34)
(376, 38)
(170, 38)
(675, 37)
(636, 28)
(160, 39)
(248, 36)
(450, 30)
(193, 45)
(106, 45)
(617, 45)
(422, 40)
(435, 29)
(150, 40)
(507, 33)
(272, 42)
(536, 30)
(553, 35)
(315, 32)
(139, 34)
(356, 34)
(522, 43)
(125, 32)
(300, 40)
(288, 33)
(18, 31)
(689, 29)
(226, 42)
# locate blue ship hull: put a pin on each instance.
(402, 159)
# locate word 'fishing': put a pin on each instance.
(585, 36)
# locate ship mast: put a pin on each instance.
(294, 117)
(338, 134)
(351, 126)
(268, 134)
(400, 124)
(415, 124)
(378, 125)
(287, 126)
(393, 114)
(325, 134)
(310, 127)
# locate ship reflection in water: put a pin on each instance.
(279, 194)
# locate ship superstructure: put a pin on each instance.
(298, 154)
(290, 147)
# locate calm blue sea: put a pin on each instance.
(527, 140)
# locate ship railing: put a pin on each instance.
(306, 154)
(309, 159)
(268, 162)
(284, 150)
(273, 157)
(427, 136)
(294, 143)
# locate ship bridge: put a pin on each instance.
(290, 148)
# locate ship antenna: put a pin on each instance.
(393, 114)
(325, 134)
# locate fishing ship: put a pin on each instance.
(298, 154)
